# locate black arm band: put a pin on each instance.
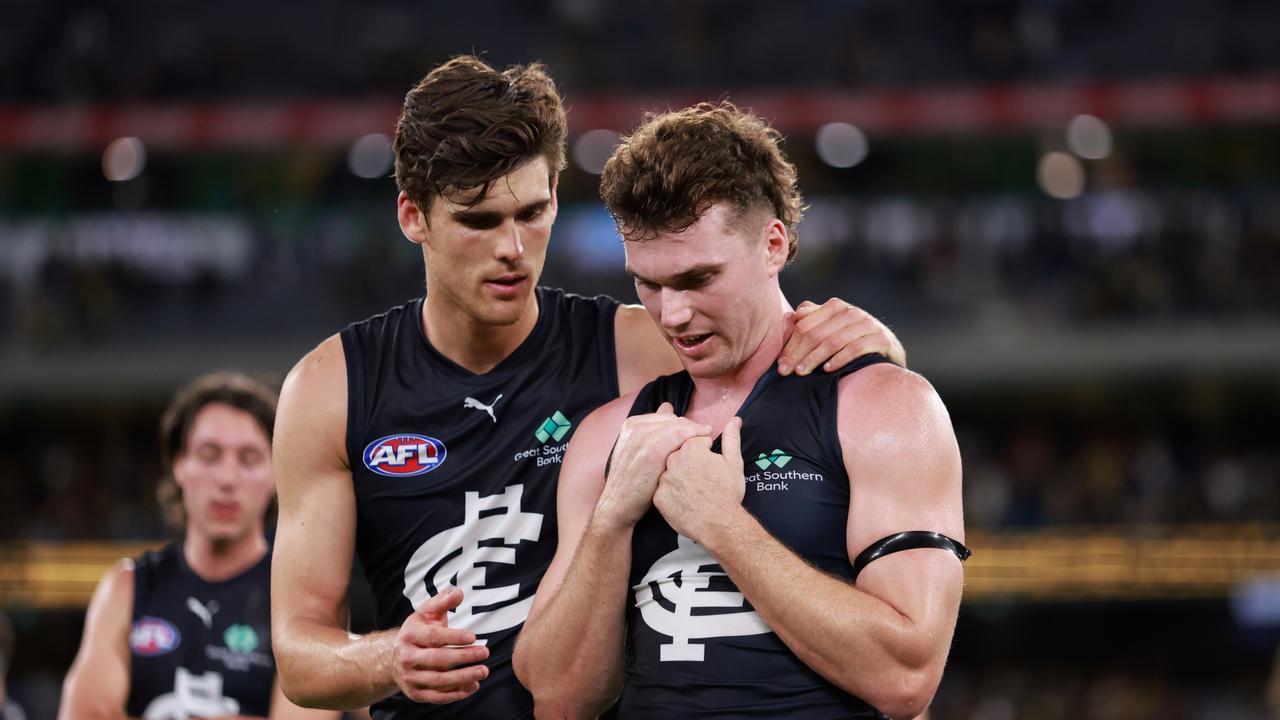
(909, 540)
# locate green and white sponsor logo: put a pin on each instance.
(553, 428)
(240, 638)
(777, 459)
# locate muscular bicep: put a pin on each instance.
(581, 482)
(315, 535)
(642, 349)
(97, 685)
(904, 475)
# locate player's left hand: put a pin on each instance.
(698, 485)
(834, 334)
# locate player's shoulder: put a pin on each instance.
(885, 379)
(885, 394)
(116, 586)
(156, 559)
(606, 419)
(318, 369)
(889, 411)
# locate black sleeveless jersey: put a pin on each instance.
(198, 648)
(695, 647)
(455, 473)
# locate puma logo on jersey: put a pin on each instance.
(681, 582)
(475, 404)
(204, 612)
(456, 558)
(404, 455)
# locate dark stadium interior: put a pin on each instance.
(1107, 338)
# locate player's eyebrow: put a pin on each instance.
(485, 217)
(683, 278)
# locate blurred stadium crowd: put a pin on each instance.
(1000, 282)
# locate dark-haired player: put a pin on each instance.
(185, 632)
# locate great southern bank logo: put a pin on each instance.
(777, 458)
(404, 455)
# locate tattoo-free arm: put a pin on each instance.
(569, 653)
(319, 663)
(885, 639)
(97, 685)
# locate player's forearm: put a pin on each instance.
(851, 638)
(570, 653)
(322, 666)
(89, 697)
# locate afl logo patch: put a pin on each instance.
(153, 636)
(404, 455)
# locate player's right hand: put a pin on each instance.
(639, 457)
(433, 662)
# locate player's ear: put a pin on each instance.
(413, 221)
(555, 202)
(777, 244)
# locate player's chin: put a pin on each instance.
(712, 366)
(225, 531)
(506, 312)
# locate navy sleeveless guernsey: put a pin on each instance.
(198, 648)
(695, 648)
(455, 474)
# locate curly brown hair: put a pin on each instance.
(227, 388)
(466, 124)
(676, 165)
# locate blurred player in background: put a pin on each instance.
(184, 632)
(819, 579)
(428, 439)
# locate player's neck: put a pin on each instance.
(716, 399)
(469, 342)
(217, 560)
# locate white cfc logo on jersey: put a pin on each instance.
(682, 583)
(452, 559)
(193, 696)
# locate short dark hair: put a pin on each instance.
(224, 388)
(466, 124)
(676, 165)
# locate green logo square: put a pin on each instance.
(553, 428)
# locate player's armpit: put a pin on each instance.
(97, 685)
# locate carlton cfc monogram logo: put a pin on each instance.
(682, 582)
(455, 558)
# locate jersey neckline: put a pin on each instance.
(180, 550)
(527, 347)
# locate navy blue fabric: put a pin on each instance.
(215, 634)
(797, 487)
(493, 468)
